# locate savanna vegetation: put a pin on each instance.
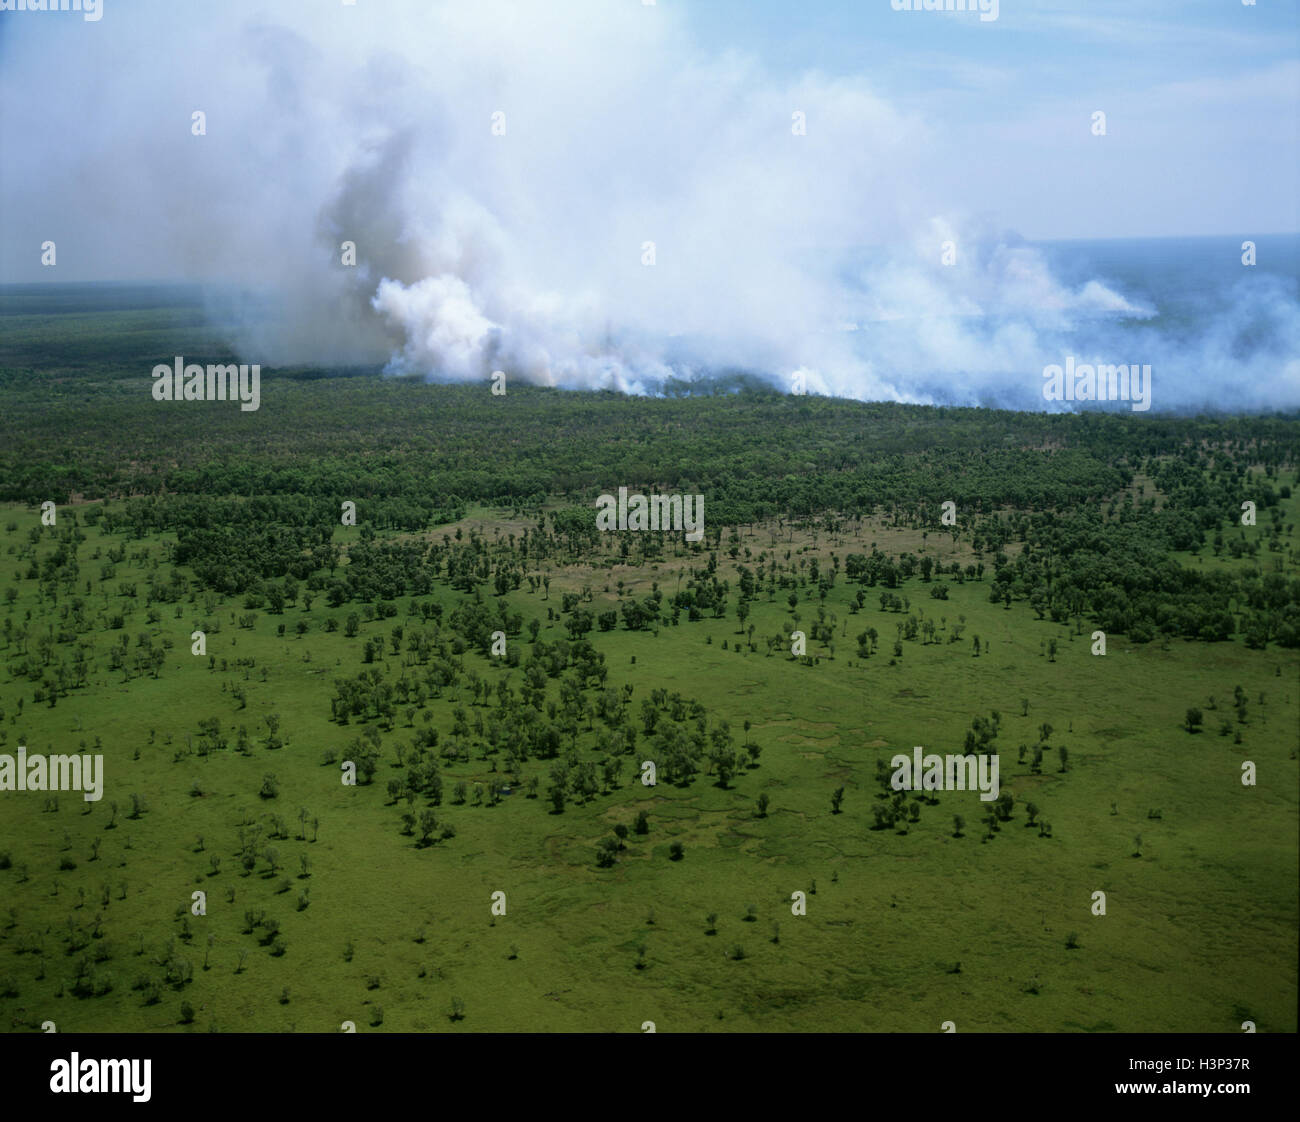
(498, 673)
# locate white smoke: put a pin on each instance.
(781, 252)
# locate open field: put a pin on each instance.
(1199, 931)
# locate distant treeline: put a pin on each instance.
(1095, 502)
(753, 455)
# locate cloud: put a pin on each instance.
(508, 172)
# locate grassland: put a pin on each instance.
(902, 931)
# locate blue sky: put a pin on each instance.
(1032, 38)
(1202, 100)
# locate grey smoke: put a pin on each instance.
(523, 252)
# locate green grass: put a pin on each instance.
(1200, 931)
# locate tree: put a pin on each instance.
(1193, 720)
(428, 823)
(762, 805)
(958, 824)
(556, 794)
(677, 851)
(836, 799)
(606, 852)
(1239, 701)
(724, 764)
(642, 824)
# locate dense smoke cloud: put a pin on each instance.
(524, 248)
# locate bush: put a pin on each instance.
(676, 851)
